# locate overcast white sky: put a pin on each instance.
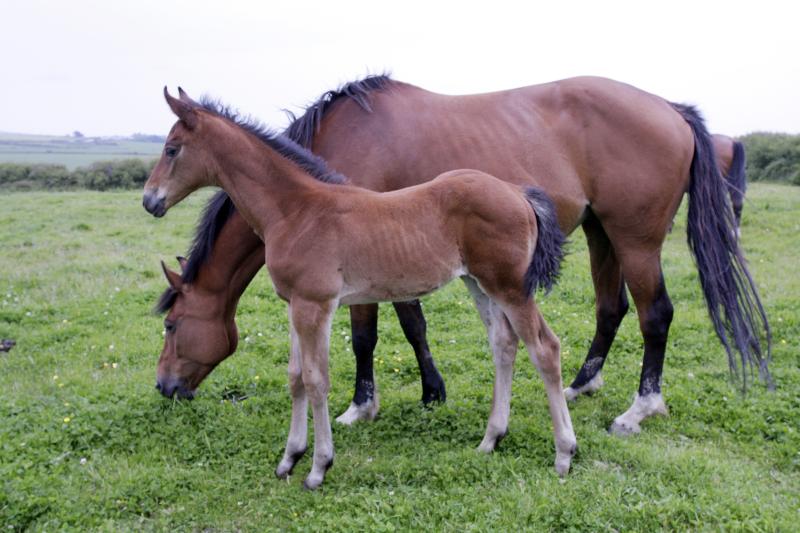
(99, 66)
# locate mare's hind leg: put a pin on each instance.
(364, 329)
(415, 329)
(504, 344)
(642, 271)
(611, 305)
(544, 350)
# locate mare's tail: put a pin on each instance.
(549, 252)
(731, 295)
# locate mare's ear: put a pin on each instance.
(173, 278)
(183, 262)
(182, 110)
(185, 98)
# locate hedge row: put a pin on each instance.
(100, 176)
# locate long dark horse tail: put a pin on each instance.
(545, 265)
(736, 178)
(731, 295)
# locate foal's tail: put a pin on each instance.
(547, 256)
(731, 295)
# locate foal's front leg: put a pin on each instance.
(312, 322)
(297, 442)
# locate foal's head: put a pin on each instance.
(198, 335)
(185, 164)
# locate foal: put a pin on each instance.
(328, 245)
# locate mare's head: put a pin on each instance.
(198, 334)
(185, 164)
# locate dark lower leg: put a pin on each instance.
(611, 301)
(655, 328)
(415, 329)
(364, 328)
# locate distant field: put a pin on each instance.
(70, 151)
(86, 443)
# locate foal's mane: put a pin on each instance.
(294, 144)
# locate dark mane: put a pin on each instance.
(303, 129)
(291, 144)
(314, 165)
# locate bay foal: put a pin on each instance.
(332, 244)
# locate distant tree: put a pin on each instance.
(772, 157)
(77, 134)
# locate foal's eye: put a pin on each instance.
(171, 151)
(169, 326)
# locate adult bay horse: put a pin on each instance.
(731, 159)
(328, 243)
(616, 162)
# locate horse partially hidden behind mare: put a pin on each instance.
(616, 162)
(328, 243)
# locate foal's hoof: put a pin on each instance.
(564, 460)
(286, 465)
(317, 476)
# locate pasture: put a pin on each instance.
(72, 152)
(87, 443)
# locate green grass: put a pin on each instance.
(72, 152)
(80, 274)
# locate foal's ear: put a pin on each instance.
(183, 262)
(185, 98)
(182, 110)
(173, 278)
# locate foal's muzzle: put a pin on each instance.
(170, 387)
(153, 204)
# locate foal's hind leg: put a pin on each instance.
(504, 344)
(646, 282)
(415, 329)
(611, 305)
(364, 329)
(544, 350)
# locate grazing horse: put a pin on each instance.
(616, 162)
(731, 159)
(328, 243)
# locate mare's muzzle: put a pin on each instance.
(153, 204)
(170, 387)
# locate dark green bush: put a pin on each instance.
(101, 176)
(772, 157)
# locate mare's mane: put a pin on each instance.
(294, 144)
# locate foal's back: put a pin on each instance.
(399, 245)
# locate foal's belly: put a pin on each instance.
(397, 288)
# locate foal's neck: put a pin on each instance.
(265, 186)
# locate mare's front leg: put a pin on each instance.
(297, 442)
(311, 321)
(364, 329)
(415, 329)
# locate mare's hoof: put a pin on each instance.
(622, 428)
(356, 413)
(434, 393)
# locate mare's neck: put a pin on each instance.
(235, 259)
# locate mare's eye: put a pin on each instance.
(169, 326)
(171, 151)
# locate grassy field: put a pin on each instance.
(72, 152)
(87, 443)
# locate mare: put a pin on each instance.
(328, 243)
(616, 162)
